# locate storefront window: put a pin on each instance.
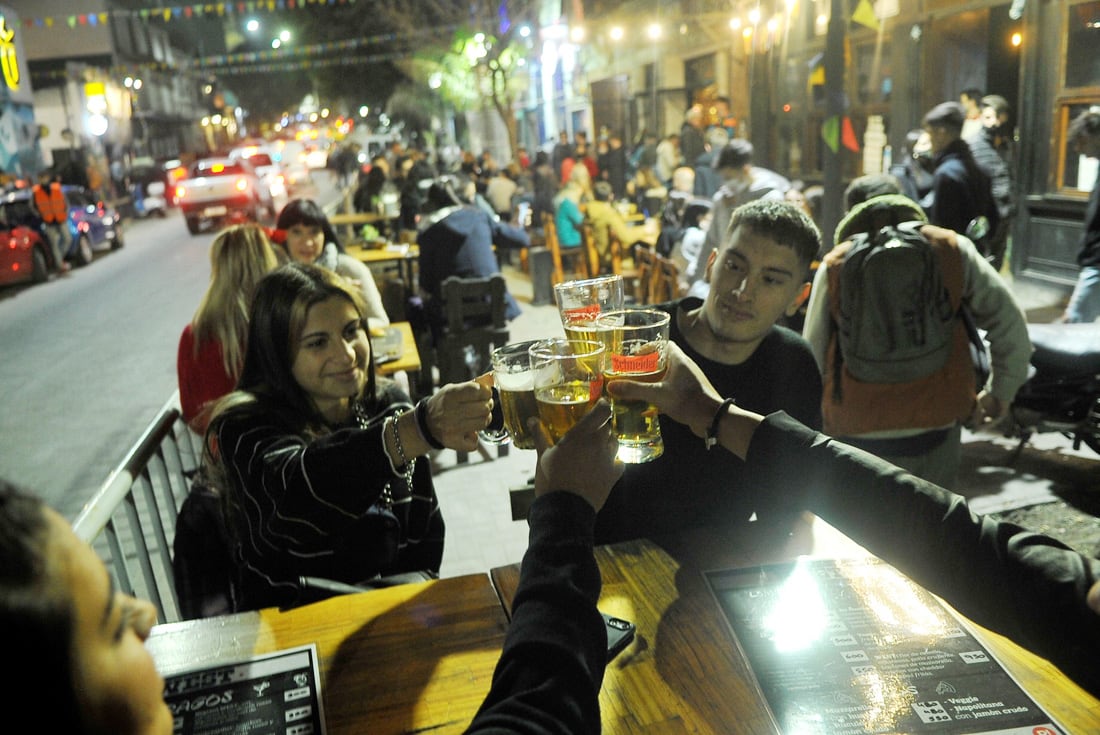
(1078, 172)
(1082, 40)
(1076, 175)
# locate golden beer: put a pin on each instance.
(561, 406)
(635, 423)
(582, 329)
(518, 406)
(635, 348)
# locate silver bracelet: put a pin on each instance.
(410, 465)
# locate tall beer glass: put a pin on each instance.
(636, 348)
(516, 385)
(580, 302)
(568, 381)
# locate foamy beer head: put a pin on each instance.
(568, 380)
(516, 384)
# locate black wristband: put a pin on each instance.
(711, 438)
(422, 424)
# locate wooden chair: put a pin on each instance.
(622, 267)
(645, 263)
(666, 281)
(475, 326)
(592, 254)
(571, 261)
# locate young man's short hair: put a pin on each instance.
(737, 153)
(781, 221)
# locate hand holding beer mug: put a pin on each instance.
(568, 381)
(516, 386)
(580, 302)
(636, 347)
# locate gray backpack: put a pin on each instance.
(896, 318)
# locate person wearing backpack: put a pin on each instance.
(884, 323)
(961, 191)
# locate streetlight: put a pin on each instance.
(252, 25)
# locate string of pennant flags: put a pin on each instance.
(175, 12)
(284, 59)
(237, 70)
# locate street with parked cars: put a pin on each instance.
(90, 358)
(94, 225)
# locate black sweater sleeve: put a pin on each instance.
(1026, 586)
(549, 674)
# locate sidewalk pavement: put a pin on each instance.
(474, 496)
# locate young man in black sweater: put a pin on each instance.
(759, 273)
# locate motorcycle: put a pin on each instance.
(1062, 392)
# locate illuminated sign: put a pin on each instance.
(9, 58)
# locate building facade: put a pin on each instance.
(110, 86)
(643, 63)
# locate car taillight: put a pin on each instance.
(242, 184)
(180, 192)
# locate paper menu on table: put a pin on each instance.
(273, 693)
(846, 647)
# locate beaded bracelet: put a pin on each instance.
(422, 426)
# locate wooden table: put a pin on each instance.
(419, 658)
(413, 658)
(683, 672)
(351, 222)
(410, 355)
(402, 257)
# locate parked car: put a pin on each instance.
(222, 189)
(24, 253)
(93, 225)
(92, 221)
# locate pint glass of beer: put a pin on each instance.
(515, 383)
(568, 381)
(636, 348)
(580, 302)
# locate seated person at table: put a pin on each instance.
(569, 206)
(317, 457)
(993, 572)
(211, 348)
(457, 239)
(606, 220)
(84, 670)
(759, 273)
(304, 230)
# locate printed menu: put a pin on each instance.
(846, 647)
(273, 693)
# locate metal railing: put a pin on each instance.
(131, 520)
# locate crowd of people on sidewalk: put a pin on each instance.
(315, 466)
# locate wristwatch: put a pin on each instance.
(711, 439)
